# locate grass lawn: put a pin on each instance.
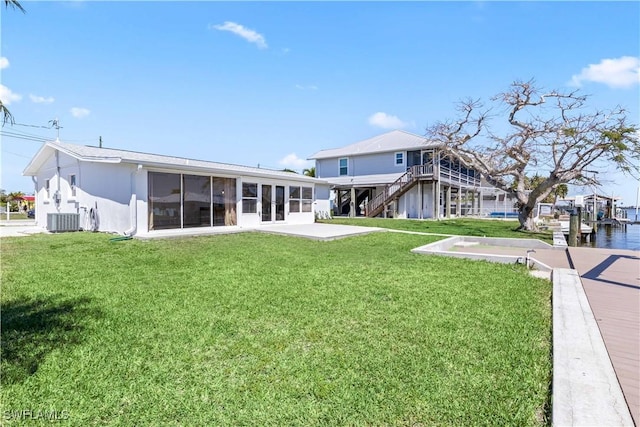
(14, 216)
(462, 227)
(258, 329)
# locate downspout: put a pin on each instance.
(35, 194)
(58, 194)
(133, 205)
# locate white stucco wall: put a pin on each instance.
(103, 187)
(118, 192)
(321, 203)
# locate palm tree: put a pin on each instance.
(4, 111)
(14, 198)
(560, 191)
(309, 171)
(6, 114)
(14, 4)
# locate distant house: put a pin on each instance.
(136, 193)
(403, 175)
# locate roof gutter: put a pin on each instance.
(231, 173)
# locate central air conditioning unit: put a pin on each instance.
(61, 222)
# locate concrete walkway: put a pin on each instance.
(611, 282)
(19, 228)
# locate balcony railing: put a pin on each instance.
(413, 175)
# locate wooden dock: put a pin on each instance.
(611, 281)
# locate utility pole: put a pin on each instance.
(100, 142)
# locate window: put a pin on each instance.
(399, 159)
(249, 197)
(300, 197)
(344, 166)
(307, 199)
(72, 184)
(47, 187)
(294, 199)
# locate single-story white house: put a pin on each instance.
(134, 193)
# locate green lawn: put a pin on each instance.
(258, 329)
(462, 227)
(14, 216)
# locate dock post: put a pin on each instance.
(574, 229)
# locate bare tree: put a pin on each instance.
(549, 133)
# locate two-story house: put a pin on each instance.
(403, 175)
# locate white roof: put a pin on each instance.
(397, 140)
(110, 155)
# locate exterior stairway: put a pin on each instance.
(396, 189)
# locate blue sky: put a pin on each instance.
(271, 83)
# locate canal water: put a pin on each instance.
(625, 237)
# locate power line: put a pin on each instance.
(16, 154)
(31, 126)
(26, 138)
(19, 132)
(54, 124)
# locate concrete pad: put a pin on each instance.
(466, 244)
(177, 233)
(20, 230)
(494, 249)
(586, 391)
(314, 231)
(318, 231)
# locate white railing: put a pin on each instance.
(413, 174)
(457, 176)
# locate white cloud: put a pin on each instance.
(79, 113)
(309, 87)
(616, 73)
(386, 121)
(249, 35)
(41, 99)
(7, 96)
(4, 63)
(293, 161)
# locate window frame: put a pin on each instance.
(295, 200)
(396, 158)
(246, 198)
(306, 202)
(345, 167)
(73, 185)
(303, 201)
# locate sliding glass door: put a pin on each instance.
(164, 201)
(183, 201)
(224, 201)
(196, 201)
